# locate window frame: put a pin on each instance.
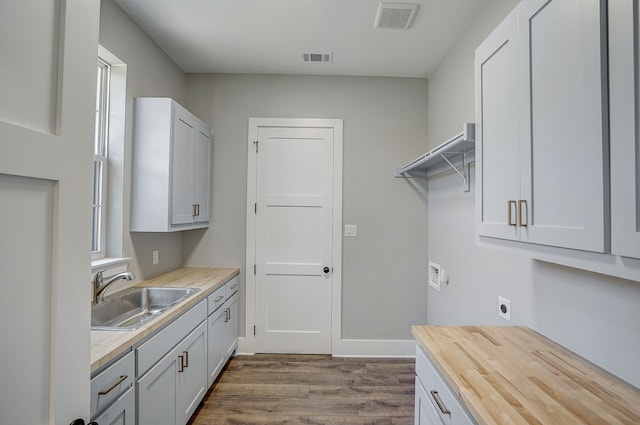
(101, 160)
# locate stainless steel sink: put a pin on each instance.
(131, 308)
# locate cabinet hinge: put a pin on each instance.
(256, 143)
(254, 269)
(255, 208)
(254, 330)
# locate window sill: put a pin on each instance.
(109, 264)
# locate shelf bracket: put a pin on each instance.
(466, 169)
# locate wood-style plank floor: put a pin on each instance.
(310, 389)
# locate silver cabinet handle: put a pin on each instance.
(441, 406)
(220, 298)
(181, 364)
(111, 388)
(186, 358)
(522, 204)
(510, 205)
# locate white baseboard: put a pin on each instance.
(242, 347)
(358, 348)
(374, 348)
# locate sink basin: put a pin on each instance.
(131, 308)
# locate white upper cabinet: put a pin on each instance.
(624, 95)
(497, 131)
(171, 168)
(542, 134)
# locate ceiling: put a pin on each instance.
(270, 36)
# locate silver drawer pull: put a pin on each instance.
(111, 388)
(220, 298)
(441, 406)
(234, 286)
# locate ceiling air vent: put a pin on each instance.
(395, 15)
(318, 57)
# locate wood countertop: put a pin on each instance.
(513, 375)
(108, 345)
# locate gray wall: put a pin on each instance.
(150, 72)
(594, 315)
(384, 267)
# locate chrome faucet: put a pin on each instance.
(99, 287)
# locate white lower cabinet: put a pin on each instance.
(172, 370)
(163, 379)
(170, 392)
(436, 403)
(425, 412)
(121, 412)
(222, 326)
(231, 326)
(216, 355)
(113, 399)
(191, 378)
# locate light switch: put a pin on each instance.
(350, 230)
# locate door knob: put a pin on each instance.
(326, 269)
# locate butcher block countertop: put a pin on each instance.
(513, 375)
(108, 345)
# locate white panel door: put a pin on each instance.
(47, 111)
(564, 175)
(497, 82)
(294, 239)
(624, 95)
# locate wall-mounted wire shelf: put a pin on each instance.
(460, 144)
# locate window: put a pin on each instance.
(108, 204)
(100, 163)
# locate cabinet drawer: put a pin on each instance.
(437, 390)
(108, 385)
(215, 300)
(121, 412)
(232, 286)
(156, 347)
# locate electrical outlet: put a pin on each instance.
(443, 276)
(155, 254)
(434, 275)
(504, 308)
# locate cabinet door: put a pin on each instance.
(157, 393)
(563, 132)
(216, 342)
(624, 95)
(191, 384)
(181, 168)
(231, 326)
(121, 412)
(202, 174)
(497, 82)
(425, 413)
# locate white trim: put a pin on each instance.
(357, 348)
(242, 347)
(249, 342)
(109, 263)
